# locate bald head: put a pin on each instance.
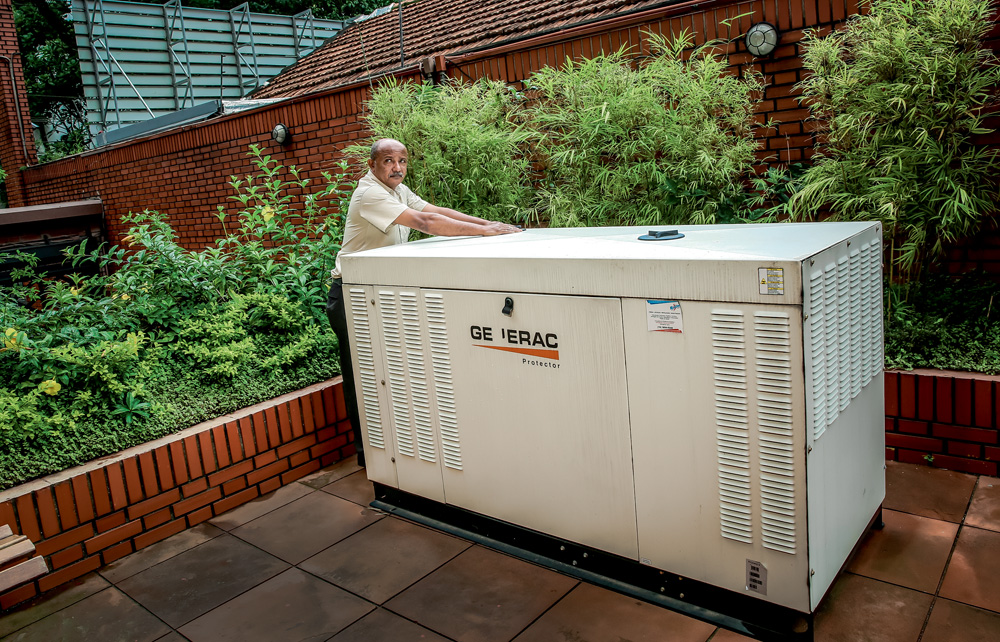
(383, 145)
(388, 161)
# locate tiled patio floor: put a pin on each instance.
(312, 562)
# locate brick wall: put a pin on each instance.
(13, 154)
(944, 419)
(92, 515)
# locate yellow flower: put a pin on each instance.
(124, 297)
(50, 387)
(267, 213)
(74, 291)
(10, 339)
(127, 239)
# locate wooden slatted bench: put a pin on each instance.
(17, 565)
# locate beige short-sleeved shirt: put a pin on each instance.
(372, 214)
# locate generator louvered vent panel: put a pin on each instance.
(444, 389)
(732, 429)
(872, 286)
(398, 397)
(426, 449)
(773, 359)
(366, 366)
(844, 326)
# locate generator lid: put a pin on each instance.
(738, 263)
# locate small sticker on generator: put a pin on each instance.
(771, 280)
(756, 577)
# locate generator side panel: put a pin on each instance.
(844, 363)
(716, 402)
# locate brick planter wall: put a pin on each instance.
(944, 419)
(89, 516)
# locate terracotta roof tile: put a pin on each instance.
(434, 27)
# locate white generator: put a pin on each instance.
(706, 401)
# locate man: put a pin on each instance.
(382, 213)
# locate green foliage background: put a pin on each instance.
(902, 92)
(171, 337)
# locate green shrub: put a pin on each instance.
(667, 141)
(171, 337)
(901, 93)
(944, 322)
(464, 146)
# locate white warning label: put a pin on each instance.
(771, 280)
(756, 577)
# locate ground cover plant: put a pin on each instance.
(944, 322)
(901, 94)
(166, 337)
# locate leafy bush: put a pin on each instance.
(666, 138)
(170, 337)
(464, 147)
(901, 93)
(665, 142)
(944, 322)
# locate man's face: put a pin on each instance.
(389, 165)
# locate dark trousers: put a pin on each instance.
(337, 313)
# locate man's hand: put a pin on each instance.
(494, 228)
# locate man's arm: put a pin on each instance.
(441, 221)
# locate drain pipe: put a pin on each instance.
(17, 106)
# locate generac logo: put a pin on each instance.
(524, 342)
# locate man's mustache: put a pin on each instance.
(396, 175)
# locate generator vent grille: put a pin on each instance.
(396, 373)
(773, 359)
(732, 429)
(366, 366)
(444, 388)
(844, 331)
(416, 365)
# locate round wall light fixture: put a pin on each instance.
(762, 38)
(280, 134)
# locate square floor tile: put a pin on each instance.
(954, 622)
(383, 626)
(859, 609)
(187, 585)
(152, 555)
(974, 569)
(481, 596)
(725, 635)
(261, 506)
(291, 606)
(302, 528)
(984, 511)
(910, 551)
(57, 599)
(926, 491)
(356, 488)
(108, 616)
(593, 613)
(330, 474)
(385, 558)
(173, 636)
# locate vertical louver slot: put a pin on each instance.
(843, 334)
(417, 370)
(396, 372)
(873, 297)
(444, 388)
(830, 314)
(867, 354)
(732, 429)
(817, 351)
(366, 367)
(773, 359)
(857, 303)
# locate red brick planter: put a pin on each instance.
(89, 516)
(943, 418)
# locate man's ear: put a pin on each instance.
(371, 164)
